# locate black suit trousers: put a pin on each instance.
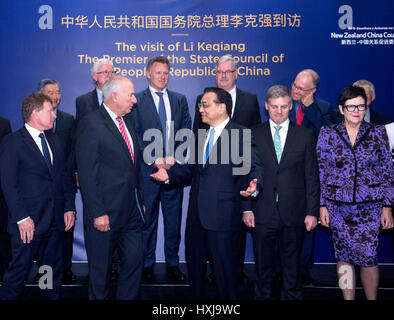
(49, 245)
(100, 247)
(219, 245)
(267, 239)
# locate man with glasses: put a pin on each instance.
(246, 112)
(215, 205)
(102, 71)
(308, 112)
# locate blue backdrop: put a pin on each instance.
(274, 40)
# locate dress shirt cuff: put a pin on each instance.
(20, 221)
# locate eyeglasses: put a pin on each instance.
(227, 73)
(107, 73)
(206, 105)
(294, 86)
(351, 107)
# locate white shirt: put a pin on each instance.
(282, 131)
(367, 116)
(35, 135)
(167, 105)
(233, 93)
(390, 133)
(218, 131)
(113, 117)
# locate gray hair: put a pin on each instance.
(365, 83)
(225, 58)
(96, 65)
(314, 75)
(46, 81)
(112, 85)
(277, 91)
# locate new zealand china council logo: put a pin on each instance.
(366, 36)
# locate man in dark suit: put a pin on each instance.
(39, 195)
(246, 112)
(224, 162)
(289, 201)
(5, 241)
(108, 160)
(312, 113)
(102, 70)
(64, 128)
(167, 111)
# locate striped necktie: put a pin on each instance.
(125, 137)
(277, 143)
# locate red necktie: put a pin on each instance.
(300, 115)
(125, 137)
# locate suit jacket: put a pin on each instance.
(29, 187)
(5, 128)
(65, 130)
(318, 114)
(85, 104)
(358, 174)
(145, 116)
(295, 178)
(107, 175)
(214, 194)
(246, 111)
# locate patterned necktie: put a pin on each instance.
(163, 119)
(209, 146)
(45, 151)
(300, 115)
(125, 137)
(277, 143)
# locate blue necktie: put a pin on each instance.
(209, 146)
(163, 119)
(277, 143)
(45, 151)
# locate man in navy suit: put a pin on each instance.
(246, 112)
(224, 163)
(108, 159)
(102, 70)
(167, 111)
(64, 128)
(39, 195)
(289, 202)
(312, 113)
(5, 241)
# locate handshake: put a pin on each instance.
(162, 165)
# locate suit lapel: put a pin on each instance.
(115, 132)
(238, 100)
(267, 136)
(151, 107)
(291, 139)
(29, 141)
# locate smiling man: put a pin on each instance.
(39, 195)
(167, 111)
(108, 161)
(289, 203)
(102, 70)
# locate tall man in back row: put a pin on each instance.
(246, 112)
(168, 112)
(309, 112)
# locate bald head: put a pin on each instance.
(304, 85)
